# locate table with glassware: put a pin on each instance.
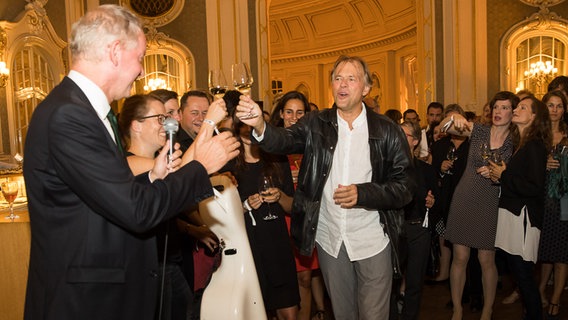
(15, 239)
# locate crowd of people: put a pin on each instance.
(343, 201)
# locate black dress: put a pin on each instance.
(269, 240)
(446, 182)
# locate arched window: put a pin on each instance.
(32, 80)
(166, 67)
(535, 52)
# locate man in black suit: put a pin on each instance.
(193, 108)
(92, 256)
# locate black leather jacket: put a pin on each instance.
(315, 135)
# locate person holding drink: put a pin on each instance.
(472, 218)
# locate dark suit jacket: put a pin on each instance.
(91, 254)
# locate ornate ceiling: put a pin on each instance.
(306, 27)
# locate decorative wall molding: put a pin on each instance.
(405, 35)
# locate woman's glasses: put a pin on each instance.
(161, 118)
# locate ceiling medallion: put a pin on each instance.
(542, 3)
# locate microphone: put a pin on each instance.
(171, 127)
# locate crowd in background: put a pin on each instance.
(463, 199)
(340, 202)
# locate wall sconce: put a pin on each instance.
(4, 74)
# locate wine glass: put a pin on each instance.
(10, 192)
(485, 151)
(264, 190)
(496, 158)
(217, 83)
(242, 80)
(242, 77)
(452, 156)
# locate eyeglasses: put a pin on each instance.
(161, 118)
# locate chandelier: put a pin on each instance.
(540, 74)
(156, 83)
(4, 74)
(541, 69)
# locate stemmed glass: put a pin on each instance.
(10, 192)
(217, 83)
(485, 151)
(452, 156)
(264, 190)
(243, 80)
(497, 159)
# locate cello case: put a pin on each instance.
(234, 291)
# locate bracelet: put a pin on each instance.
(213, 124)
(210, 122)
(247, 206)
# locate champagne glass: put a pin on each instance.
(485, 151)
(264, 190)
(242, 80)
(10, 192)
(217, 83)
(452, 156)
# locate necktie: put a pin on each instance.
(114, 124)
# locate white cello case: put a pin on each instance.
(234, 291)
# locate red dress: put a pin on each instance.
(302, 262)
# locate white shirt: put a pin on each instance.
(96, 97)
(359, 229)
(424, 152)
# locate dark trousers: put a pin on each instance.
(523, 273)
(418, 253)
(175, 295)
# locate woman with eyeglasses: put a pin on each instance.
(141, 125)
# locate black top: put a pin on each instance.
(269, 239)
(447, 182)
(183, 139)
(424, 178)
(169, 227)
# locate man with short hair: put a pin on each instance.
(411, 115)
(194, 106)
(92, 254)
(434, 114)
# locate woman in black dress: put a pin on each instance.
(264, 218)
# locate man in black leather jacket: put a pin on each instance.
(351, 185)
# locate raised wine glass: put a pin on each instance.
(243, 80)
(452, 156)
(217, 83)
(10, 192)
(264, 190)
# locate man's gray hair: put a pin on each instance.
(97, 29)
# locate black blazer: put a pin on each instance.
(91, 254)
(523, 182)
